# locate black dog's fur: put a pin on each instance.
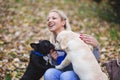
(37, 65)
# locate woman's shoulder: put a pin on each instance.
(67, 34)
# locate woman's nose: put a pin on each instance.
(50, 20)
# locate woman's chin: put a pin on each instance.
(52, 30)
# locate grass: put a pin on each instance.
(113, 34)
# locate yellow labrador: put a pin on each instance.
(80, 55)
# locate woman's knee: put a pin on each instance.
(52, 74)
(69, 75)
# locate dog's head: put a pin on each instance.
(44, 46)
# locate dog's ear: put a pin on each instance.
(63, 43)
(63, 39)
(34, 46)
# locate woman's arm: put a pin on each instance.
(93, 42)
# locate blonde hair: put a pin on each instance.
(63, 17)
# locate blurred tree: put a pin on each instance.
(97, 1)
(115, 4)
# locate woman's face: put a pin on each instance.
(55, 23)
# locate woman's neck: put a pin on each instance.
(58, 31)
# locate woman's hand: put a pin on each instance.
(54, 54)
(89, 40)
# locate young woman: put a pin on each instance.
(58, 22)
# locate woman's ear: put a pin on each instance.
(34, 46)
(63, 22)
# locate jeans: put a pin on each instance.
(55, 74)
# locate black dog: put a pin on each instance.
(38, 65)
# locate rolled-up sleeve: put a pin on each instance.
(96, 52)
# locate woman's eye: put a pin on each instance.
(54, 18)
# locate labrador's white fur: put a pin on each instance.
(80, 55)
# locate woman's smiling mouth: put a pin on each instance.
(51, 24)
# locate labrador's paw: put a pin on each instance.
(58, 67)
